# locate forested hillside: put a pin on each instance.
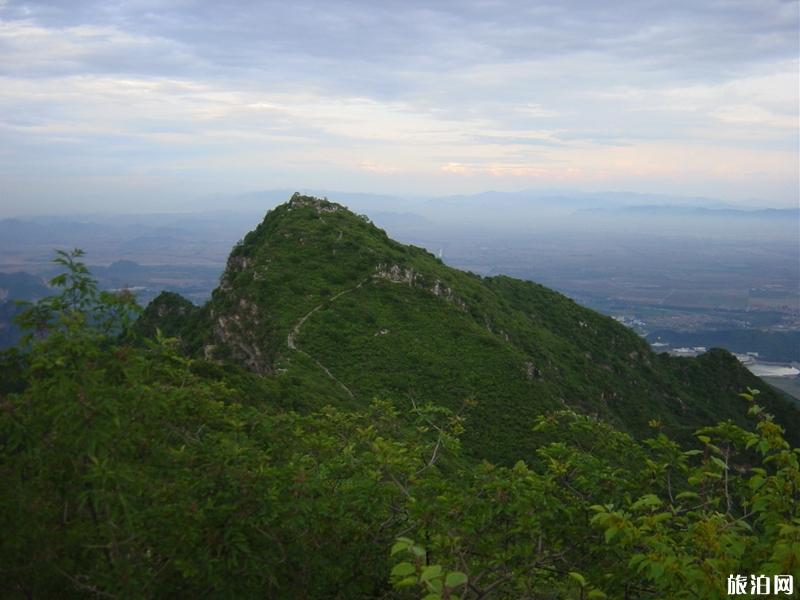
(319, 296)
(132, 471)
(350, 418)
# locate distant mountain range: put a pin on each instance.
(525, 199)
(527, 210)
(698, 212)
(221, 220)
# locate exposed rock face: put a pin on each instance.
(235, 329)
(399, 274)
(235, 265)
(396, 274)
(163, 310)
(321, 205)
(440, 290)
(531, 371)
(236, 332)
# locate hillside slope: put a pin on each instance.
(319, 297)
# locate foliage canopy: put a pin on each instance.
(132, 470)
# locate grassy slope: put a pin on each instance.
(515, 347)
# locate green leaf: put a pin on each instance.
(435, 585)
(578, 577)
(656, 569)
(686, 495)
(610, 533)
(720, 463)
(635, 560)
(400, 546)
(596, 594)
(430, 572)
(407, 581)
(455, 579)
(646, 501)
(407, 541)
(402, 569)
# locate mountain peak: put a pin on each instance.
(321, 205)
(318, 297)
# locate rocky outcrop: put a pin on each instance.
(235, 265)
(532, 371)
(321, 205)
(236, 332)
(398, 274)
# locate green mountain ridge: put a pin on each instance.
(325, 307)
(316, 430)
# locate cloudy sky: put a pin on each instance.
(146, 104)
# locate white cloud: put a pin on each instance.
(490, 93)
(754, 115)
(30, 49)
(373, 167)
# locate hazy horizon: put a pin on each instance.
(150, 106)
(244, 203)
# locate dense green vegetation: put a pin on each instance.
(131, 470)
(369, 317)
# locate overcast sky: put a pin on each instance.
(145, 104)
